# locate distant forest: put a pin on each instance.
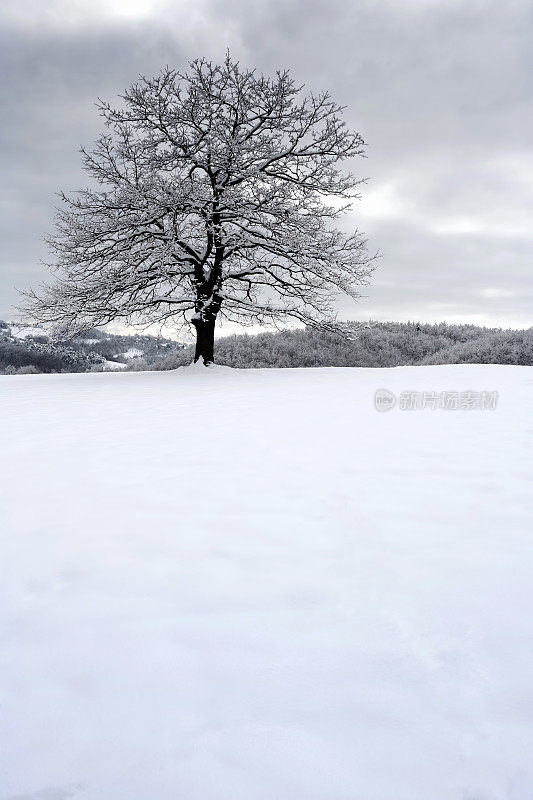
(26, 350)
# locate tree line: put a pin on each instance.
(386, 344)
(383, 344)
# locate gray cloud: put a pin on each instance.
(441, 90)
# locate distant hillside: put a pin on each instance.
(382, 344)
(25, 349)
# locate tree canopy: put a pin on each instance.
(214, 193)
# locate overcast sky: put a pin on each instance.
(441, 90)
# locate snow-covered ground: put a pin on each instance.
(250, 585)
(24, 331)
(133, 352)
(112, 366)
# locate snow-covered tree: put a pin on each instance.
(214, 193)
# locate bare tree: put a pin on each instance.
(215, 193)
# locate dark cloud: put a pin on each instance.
(441, 90)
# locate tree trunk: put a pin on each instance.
(205, 340)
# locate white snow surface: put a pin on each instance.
(249, 585)
(24, 331)
(133, 352)
(113, 365)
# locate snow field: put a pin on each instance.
(250, 585)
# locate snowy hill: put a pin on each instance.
(251, 585)
(25, 349)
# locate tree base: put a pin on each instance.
(205, 341)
